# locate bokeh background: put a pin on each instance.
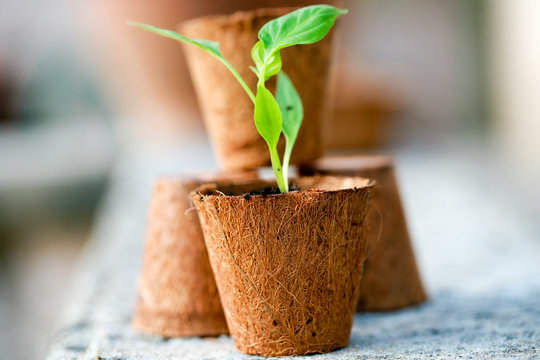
(83, 98)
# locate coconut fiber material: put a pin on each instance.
(177, 291)
(286, 265)
(391, 278)
(226, 106)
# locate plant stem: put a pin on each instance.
(239, 78)
(286, 159)
(276, 166)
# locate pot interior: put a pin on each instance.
(313, 183)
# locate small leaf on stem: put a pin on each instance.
(268, 122)
(290, 104)
(269, 67)
(267, 116)
(292, 112)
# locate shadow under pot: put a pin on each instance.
(227, 109)
(391, 278)
(177, 294)
(287, 265)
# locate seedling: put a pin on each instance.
(284, 112)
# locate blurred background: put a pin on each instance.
(83, 98)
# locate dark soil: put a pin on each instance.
(269, 191)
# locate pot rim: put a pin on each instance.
(237, 16)
(204, 191)
(206, 176)
(353, 163)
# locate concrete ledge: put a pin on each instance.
(479, 257)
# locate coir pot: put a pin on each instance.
(225, 105)
(391, 277)
(287, 266)
(177, 294)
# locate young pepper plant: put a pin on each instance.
(284, 112)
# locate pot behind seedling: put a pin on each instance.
(287, 266)
(226, 108)
(177, 294)
(391, 277)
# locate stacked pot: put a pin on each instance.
(282, 273)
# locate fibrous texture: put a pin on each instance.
(226, 106)
(177, 292)
(391, 279)
(288, 266)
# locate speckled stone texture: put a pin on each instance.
(478, 250)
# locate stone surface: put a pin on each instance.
(478, 250)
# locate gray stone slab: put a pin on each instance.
(446, 327)
(478, 252)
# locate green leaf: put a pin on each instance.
(267, 116)
(210, 47)
(269, 67)
(292, 113)
(290, 104)
(257, 54)
(303, 26)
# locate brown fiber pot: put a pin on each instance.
(226, 107)
(286, 265)
(391, 278)
(177, 291)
